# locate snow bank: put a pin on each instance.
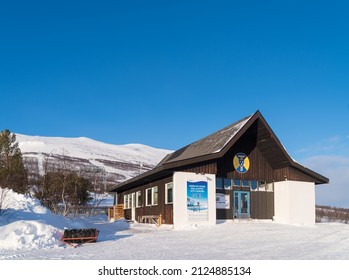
(23, 207)
(22, 202)
(26, 224)
(29, 235)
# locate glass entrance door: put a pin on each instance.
(241, 205)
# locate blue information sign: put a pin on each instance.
(197, 201)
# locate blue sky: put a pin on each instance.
(167, 73)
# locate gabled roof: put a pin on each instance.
(217, 144)
(211, 144)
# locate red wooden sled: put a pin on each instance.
(76, 237)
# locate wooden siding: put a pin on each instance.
(262, 205)
(261, 168)
(207, 167)
(166, 210)
(290, 173)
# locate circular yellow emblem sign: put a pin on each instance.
(241, 163)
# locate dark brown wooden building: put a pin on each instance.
(241, 171)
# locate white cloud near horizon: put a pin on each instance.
(329, 157)
(336, 168)
(336, 143)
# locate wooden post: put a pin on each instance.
(108, 214)
(160, 220)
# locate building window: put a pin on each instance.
(138, 199)
(227, 184)
(236, 183)
(219, 183)
(155, 196)
(125, 201)
(148, 197)
(169, 193)
(254, 185)
(151, 196)
(245, 183)
(130, 201)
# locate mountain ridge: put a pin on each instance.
(112, 163)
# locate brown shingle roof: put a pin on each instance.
(211, 144)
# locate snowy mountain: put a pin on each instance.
(97, 160)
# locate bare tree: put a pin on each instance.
(63, 169)
(61, 187)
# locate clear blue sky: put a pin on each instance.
(166, 73)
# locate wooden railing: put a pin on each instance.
(116, 212)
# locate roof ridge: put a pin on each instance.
(210, 144)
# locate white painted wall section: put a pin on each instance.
(294, 202)
(182, 215)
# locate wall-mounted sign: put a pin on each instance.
(222, 201)
(241, 163)
(197, 201)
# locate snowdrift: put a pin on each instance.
(29, 235)
(26, 224)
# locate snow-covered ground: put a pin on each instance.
(32, 232)
(244, 241)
